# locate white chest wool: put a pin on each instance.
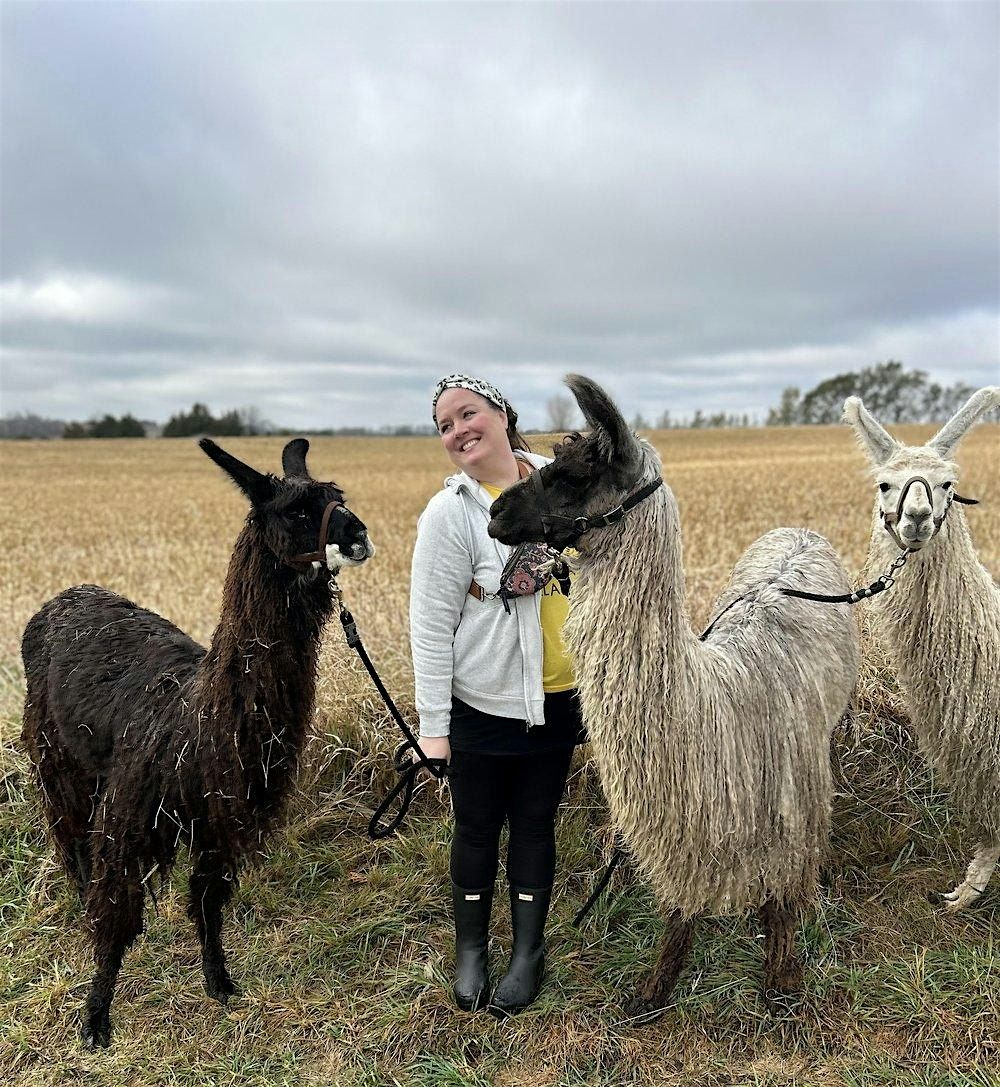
(940, 624)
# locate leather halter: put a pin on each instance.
(890, 519)
(305, 560)
(551, 521)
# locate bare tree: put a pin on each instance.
(253, 421)
(790, 411)
(561, 410)
(29, 425)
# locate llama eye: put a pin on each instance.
(883, 487)
(947, 486)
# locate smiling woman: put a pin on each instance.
(495, 692)
(478, 429)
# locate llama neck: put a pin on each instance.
(258, 679)
(924, 612)
(614, 636)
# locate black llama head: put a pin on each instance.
(591, 473)
(289, 512)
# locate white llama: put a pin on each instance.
(714, 755)
(941, 621)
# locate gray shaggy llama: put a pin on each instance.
(143, 741)
(714, 755)
(941, 622)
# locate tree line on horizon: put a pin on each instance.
(198, 421)
(892, 392)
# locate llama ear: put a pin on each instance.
(616, 440)
(947, 438)
(293, 459)
(876, 441)
(257, 487)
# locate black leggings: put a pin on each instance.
(521, 790)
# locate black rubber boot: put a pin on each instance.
(520, 985)
(472, 937)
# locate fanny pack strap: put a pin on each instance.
(524, 469)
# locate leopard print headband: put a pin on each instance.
(473, 384)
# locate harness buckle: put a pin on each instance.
(614, 515)
(350, 628)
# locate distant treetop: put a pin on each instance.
(894, 394)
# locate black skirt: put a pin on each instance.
(473, 730)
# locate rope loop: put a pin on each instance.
(407, 768)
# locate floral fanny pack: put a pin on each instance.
(530, 568)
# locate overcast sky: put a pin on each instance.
(319, 209)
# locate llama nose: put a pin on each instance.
(919, 516)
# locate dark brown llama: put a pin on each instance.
(143, 741)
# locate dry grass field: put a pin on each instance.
(341, 946)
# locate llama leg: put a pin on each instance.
(782, 965)
(69, 797)
(977, 877)
(73, 849)
(211, 887)
(72, 831)
(80, 867)
(654, 988)
(114, 909)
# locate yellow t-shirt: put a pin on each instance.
(557, 666)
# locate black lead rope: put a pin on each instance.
(601, 884)
(879, 585)
(403, 764)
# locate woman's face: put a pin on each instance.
(472, 430)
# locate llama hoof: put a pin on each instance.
(639, 1012)
(960, 898)
(221, 988)
(96, 1033)
(965, 901)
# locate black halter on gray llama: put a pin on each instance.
(714, 755)
(143, 741)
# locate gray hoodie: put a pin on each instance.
(463, 646)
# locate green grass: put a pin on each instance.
(341, 949)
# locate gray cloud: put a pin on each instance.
(320, 208)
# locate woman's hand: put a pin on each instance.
(434, 747)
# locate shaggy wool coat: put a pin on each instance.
(714, 755)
